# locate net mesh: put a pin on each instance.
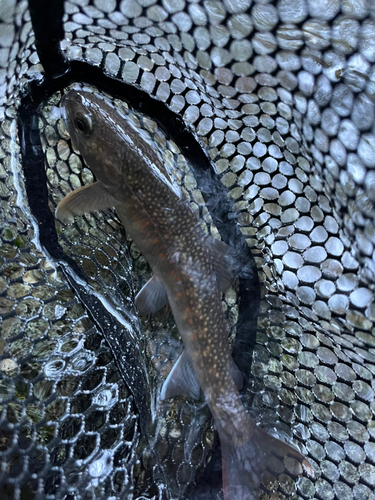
(279, 96)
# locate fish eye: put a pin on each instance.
(83, 124)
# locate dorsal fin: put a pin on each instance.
(221, 261)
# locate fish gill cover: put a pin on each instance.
(280, 97)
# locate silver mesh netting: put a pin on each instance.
(264, 113)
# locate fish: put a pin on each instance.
(191, 270)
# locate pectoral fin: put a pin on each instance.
(182, 380)
(151, 297)
(84, 200)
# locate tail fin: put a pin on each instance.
(243, 465)
(242, 470)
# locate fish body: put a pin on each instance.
(190, 271)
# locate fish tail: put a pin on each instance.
(243, 465)
(242, 470)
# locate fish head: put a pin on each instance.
(112, 149)
(78, 117)
(94, 133)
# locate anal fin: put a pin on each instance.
(84, 200)
(151, 297)
(182, 380)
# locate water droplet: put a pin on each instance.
(105, 397)
(54, 367)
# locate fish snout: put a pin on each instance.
(71, 100)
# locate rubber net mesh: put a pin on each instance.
(280, 97)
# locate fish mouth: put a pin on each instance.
(66, 115)
(71, 96)
(63, 107)
(63, 100)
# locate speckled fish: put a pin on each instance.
(190, 271)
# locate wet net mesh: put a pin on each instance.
(264, 114)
